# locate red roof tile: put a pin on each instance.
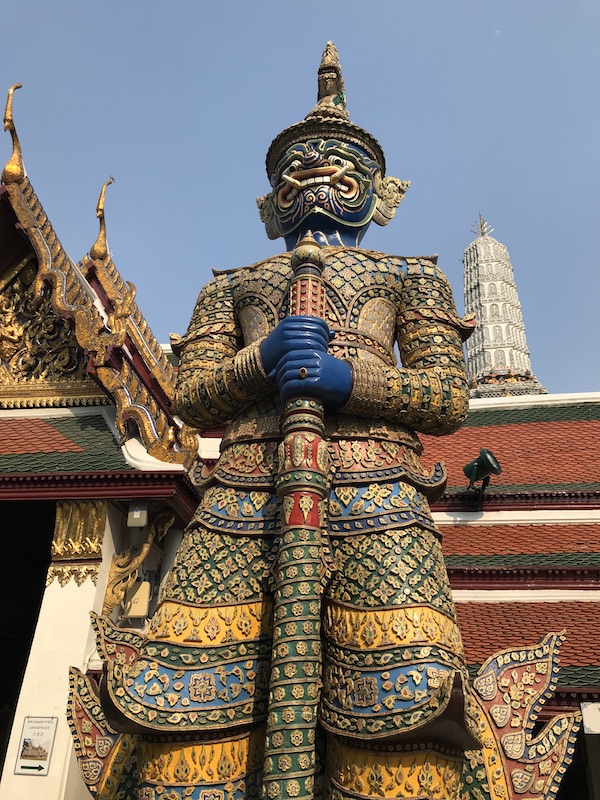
(533, 453)
(487, 628)
(19, 435)
(463, 540)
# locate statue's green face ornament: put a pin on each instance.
(331, 188)
(324, 185)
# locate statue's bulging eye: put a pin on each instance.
(336, 161)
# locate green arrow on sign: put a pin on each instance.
(39, 767)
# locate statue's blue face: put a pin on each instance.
(324, 185)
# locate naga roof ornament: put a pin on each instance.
(99, 249)
(14, 171)
(328, 119)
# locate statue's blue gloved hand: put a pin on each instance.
(293, 333)
(326, 377)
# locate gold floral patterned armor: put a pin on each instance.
(392, 651)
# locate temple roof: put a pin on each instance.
(59, 444)
(573, 544)
(74, 454)
(108, 353)
(489, 627)
(526, 560)
(542, 446)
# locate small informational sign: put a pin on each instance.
(35, 747)
(591, 717)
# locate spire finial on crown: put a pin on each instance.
(331, 95)
(14, 171)
(329, 119)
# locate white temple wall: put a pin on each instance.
(63, 638)
(60, 641)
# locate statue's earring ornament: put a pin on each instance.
(389, 192)
(266, 210)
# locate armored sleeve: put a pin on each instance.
(217, 375)
(429, 393)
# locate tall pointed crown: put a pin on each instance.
(328, 119)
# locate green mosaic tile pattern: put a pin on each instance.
(525, 560)
(100, 451)
(530, 487)
(514, 416)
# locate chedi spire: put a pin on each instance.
(497, 353)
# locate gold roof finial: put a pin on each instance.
(14, 171)
(481, 227)
(99, 250)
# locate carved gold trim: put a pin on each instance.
(14, 171)
(63, 572)
(135, 402)
(124, 567)
(203, 763)
(393, 627)
(393, 773)
(100, 247)
(77, 543)
(79, 530)
(41, 364)
(40, 393)
(212, 626)
(121, 325)
(11, 273)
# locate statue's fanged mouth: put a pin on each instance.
(303, 179)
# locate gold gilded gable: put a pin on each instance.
(41, 363)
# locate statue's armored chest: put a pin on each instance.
(363, 296)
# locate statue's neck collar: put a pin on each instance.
(338, 237)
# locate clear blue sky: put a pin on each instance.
(484, 105)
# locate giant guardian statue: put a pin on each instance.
(305, 642)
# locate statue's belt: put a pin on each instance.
(354, 461)
(256, 425)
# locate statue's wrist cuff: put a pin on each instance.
(248, 366)
(369, 389)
